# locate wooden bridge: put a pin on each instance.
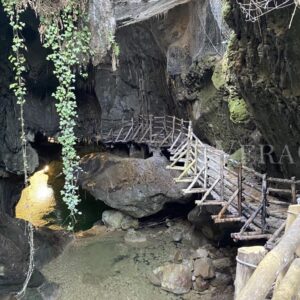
(239, 193)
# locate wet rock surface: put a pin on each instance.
(137, 187)
(175, 278)
(264, 58)
(133, 236)
(14, 253)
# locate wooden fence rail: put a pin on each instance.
(243, 194)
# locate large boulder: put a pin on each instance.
(138, 187)
(14, 252)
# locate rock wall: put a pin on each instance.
(139, 86)
(193, 38)
(265, 60)
(39, 111)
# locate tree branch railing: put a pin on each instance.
(244, 194)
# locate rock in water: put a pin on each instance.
(118, 220)
(203, 267)
(135, 237)
(175, 278)
(112, 218)
(137, 187)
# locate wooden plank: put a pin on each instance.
(250, 220)
(250, 237)
(271, 242)
(195, 179)
(186, 169)
(226, 220)
(279, 191)
(240, 190)
(178, 168)
(205, 167)
(194, 190)
(293, 190)
(221, 176)
(264, 196)
(223, 210)
(188, 180)
(178, 158)
(211, 202)
(208, 192)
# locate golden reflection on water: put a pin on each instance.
(37, 200)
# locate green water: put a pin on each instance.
(90, 208)
(106, 268)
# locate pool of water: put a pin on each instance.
(106, 268)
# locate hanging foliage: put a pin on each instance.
(13, 9)
(64, 30)
(68, 38)
(17, 59)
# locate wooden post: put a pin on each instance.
(293, 213)
(132, 126)
(165, 125)
(265, 274)
(101, 128)
(240, 188)
(173, 128)
(150, 126)
(142, 129)
(222, 177)
(264, 195)
(205, 167)
(190, 134)
(181, 127)
(289, 287)
(247, 260)
(196, 158)
(293, 190)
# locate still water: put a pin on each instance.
(106, 268)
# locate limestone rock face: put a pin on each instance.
(264, 58)
(137, 187)
(175, 278)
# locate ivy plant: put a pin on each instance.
(17, 59)
(68, 38)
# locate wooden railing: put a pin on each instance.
(243, 194)
(156, 131)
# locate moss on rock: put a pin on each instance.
(219, 76)
(238, 110)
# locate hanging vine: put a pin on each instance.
(13, 9)
(17, 59)
(68, 38)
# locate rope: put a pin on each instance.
(245, 263)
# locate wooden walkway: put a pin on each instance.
(154, 131)
(240, 194)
